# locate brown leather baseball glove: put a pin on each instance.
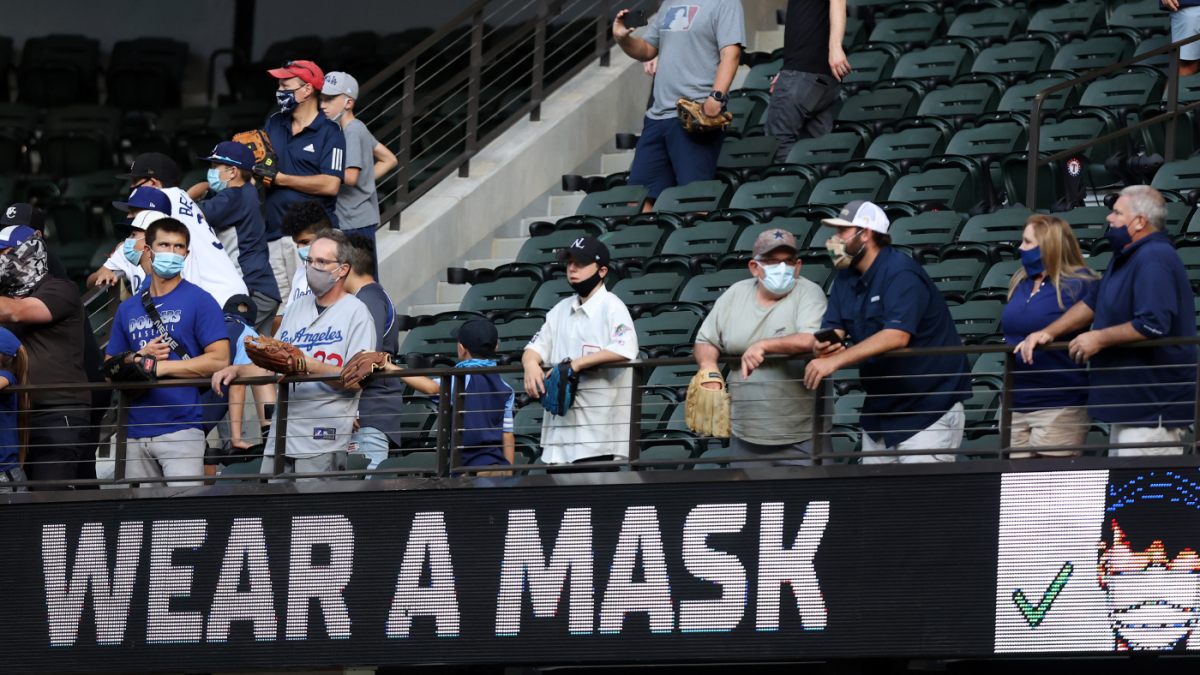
(266, 163)
(276, 356)
(362, 367)
(691, 115)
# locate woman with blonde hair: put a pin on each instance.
(1050, 396)
(14, 411)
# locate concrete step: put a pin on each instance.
(437, 308)
(615, 162)
(565, 205)
(451, 293)
(507, 247)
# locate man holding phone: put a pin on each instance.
(698, 46)
(776, 312)
(883, 300)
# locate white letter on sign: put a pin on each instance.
(722, 569)
(246, 544)
(325, 583)
(525, 557)
(111, 601)
(639, 531)
(778, 566)
(428, 536)
(172, 581)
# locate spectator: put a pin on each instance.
(14, 412)
(301, 224)
(803, 93)
(883, 300)
(698, 47)
(125, 262)
(1147, 394)
(312, 153)
(185, 333)
(1050, 397)
(233, 212)
(366, 158)
(380, 406)
(776, 312)
(329, 325)
(46, 315)
(589, 328)
(1185, 22)
(239, 312)
(487, 421)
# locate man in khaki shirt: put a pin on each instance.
(776, 312)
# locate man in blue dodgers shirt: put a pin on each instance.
(883, 300)
(165, 433)
(1148, 393)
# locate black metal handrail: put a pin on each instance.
(1170, 116)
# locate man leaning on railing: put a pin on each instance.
(1146, 394)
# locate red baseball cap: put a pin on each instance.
(307, 71)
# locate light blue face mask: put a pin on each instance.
(304, 252)
(168, 265)
(779, 278)
(214, 180)
(133, 255)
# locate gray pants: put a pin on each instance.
(180, 453)
(328, 461)
(801, 107)
(758, 456)
(267, 309)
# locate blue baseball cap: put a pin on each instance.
(9, 344)
(233, 154)
(146, 197)
(15, 235)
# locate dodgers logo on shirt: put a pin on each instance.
(306, 340)
(679, 17)
(143, 322)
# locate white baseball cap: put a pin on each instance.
(340, 83)
(860, 213)
(142, 220)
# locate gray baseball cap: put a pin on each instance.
(340, 83)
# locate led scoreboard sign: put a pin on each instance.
(907, 566)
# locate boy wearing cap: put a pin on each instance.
(883, 300)
(125, 262)
(589, 328)
(233, 211)
(776, 312)
(366, 158)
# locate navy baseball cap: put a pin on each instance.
(479, 336)
(153, 165)
(146, 197)
(231, 153)
(9, 344)
(234, 301)
(23, 214)
(15, 235)
(585, 250)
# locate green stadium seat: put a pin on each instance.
(980, 411)
(910, 30)
(1087, 222)
(417, 418)
(872, 63)
(666, 453)
(250, 467)
(507, 293)
(760, 76)
(1072, 17)
(714, 457)
(432, 340)
(419, 463)
(1179, 217)
(634, 242)
(514, 335)
(1098, 262)
(938, 64)
(995, 283)
(746, 112)
(1015, 59)
(623, 201)
(843, 189)
(1162, 60)
(1181, 176)
(742, 158)
(927, 233)
(668, 329)
(59, 70)
(1014, 169)
(1019, 97)
(832, 149)
(908, 147)
(1002, 23)
(967, 99)
(1191, 261)
(527, 420)
(802, 229)
(1128, 89)
(996, 138)
(820, 275)
(956, 278)
(990, 235)
(700, 196)
(541, 250)
(552, 292)
(977, 319)
(1073, 129)
(656, 410)
(706, 288)
(950, 187)
(880, 108)
(1098, 52)
(771, 194)
(649, 289)
(1145, 16)
(709, 238)
(79, 139)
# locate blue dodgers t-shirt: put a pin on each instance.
(10, 441)
(1146, 285)
(905, 395)
(1053, 380)
(195, 320)
(319, 148)
(238, 207)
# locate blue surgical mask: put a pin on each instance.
(1118, 237)
(133, 255)
(168, 265)
(303, 252)
(1032, 260)
(779, 278)
(214, 180)
(286, 100)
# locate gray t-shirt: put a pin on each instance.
(689, 38)
(358, 205)
(773, 407)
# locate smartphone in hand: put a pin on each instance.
(828, 335)
(635, 18)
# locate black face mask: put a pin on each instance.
(584, 288)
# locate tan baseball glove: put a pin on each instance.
(276, 356)
(708, 409)
(266, 164)
(691, 115)
(362, 366)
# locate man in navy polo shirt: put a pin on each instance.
(312, 158)
(232, 210)
(883, 300)
(1148, 393)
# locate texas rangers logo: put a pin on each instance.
(1074, 168)
(679, 17)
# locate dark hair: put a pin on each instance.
(167, 225)
(364, 254)
(345, 253)
(305, 216)
(881, 239)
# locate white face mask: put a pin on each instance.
(779, 278)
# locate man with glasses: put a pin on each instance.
(329, 326)
(776, 312)
(312, 159)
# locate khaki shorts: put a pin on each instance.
(1052, 427)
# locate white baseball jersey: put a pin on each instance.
(597, 423)
(320, 417)
(118, 263)
(299, 287)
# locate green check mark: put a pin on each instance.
(1035, 615)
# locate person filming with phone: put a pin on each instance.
(776, 312)
(883, 300)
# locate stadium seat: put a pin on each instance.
(1179, 216)
(666, 452)
(908, 147)
(413, 464)
(869, 185)
(78, 139)
(676, 206)
(17, 123)
(527, 421)
(965, 100)
(770, 196)
(1097, 52)
(871, 63)
(550, 293)
(952, 188)
(146, 73)
(417, 418)
(59, 70)
(1070, 19)
(1191, 261)
(1089, 223)
(995, 282)
(541, 250)
(704, 239)
(230, 471)
(911, 31)
(746, 113)
(649, 289)
(993, 24)
(1019, 97)
(976, 320)
(432, 340)
(801, 228)
(881, 108)
(956, 278)
(828, 151)
(611, 205)
(634, 242)
(1098, 262)
(706, 288)
(936, 65)
(742, 158)
(922, 236)
(508, 293)
(760, 76)
(990, 236)
(666, 330)
(1136, 87)
(1014, 60)
(1181, 176)
(514, 335)
(1145, 16)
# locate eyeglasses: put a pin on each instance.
(318, 262)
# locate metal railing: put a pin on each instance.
(472, 79)
(1170, 116)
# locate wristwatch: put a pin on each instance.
(720, 98)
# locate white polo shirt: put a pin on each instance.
(598, 421)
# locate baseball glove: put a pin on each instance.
(560, 384)
(276, 356)
(266, 163)
(362, 367)
(691, 115)
(129, 366)
(708, 409)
